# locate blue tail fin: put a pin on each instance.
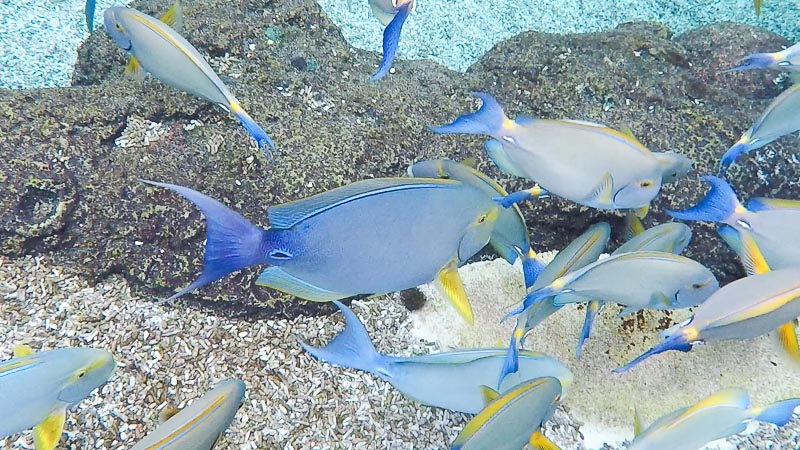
(511, 362)
(351, 348)
(532, 267)
(779, 413)
(731, 155)
(488, 119)
(232, 242)
(675, 342)
(89, 12)
(717, 206)
(391, 37)
(592, 308)
(751, 62)
(254, 129)
(530, 300)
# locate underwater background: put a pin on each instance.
(86, 249)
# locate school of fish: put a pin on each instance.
(385, 235)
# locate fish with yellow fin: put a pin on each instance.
(37, 388)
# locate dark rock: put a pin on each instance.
(69, 191)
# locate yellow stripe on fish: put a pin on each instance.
(189, 425)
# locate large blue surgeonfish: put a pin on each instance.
(370, 237)
(584, 162)
(787, 59)
(392, 14)
(746, 308)
(513, 419)
(37, 388)
(450, 380)
(199, 425)
(722, 414)
(773, 223)
(158, 49)
(510, 236)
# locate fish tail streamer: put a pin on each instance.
(511, 361)
(254, 129)
(592, 308)
(351, 348)
(488, 119)
(391, 38)
(530, 300)
(677, 341)
(718, 205)
(232, 242)
(732, 155)
(779, 413)
(752, 62)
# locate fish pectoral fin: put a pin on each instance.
(48, 432)
(134, 70)
(628, 310)
(659, 299)
(786, 338)
(538, 441)
(496, 152)
(633, 226)
(173, 17)
(167, 414)
(751, 256)
(603, 192)
(489, 395)
(641, 213)
(279, 279)
(22, 350)
(449, 283)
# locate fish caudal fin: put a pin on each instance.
(511, 362)
(677, 341)
(532, 266)
(391, 38)
(786, 340)
(351, 348)
(717, 206)
(47, 434)
(232, 242)
(539, 442)
(89, 13)
(731, 155)
(592, 308)
(253, 128)
(488, 119)
(752, 62)
(779, 413)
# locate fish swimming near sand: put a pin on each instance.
(513, 419)
(449, 380)
(773, 223)
(157, 48)
(201, 424)
(370, 237)
(392, 14)
(782, 117)
(584, 162)
(787, 59)
(510, 237)
(37, 388)
(722, 414)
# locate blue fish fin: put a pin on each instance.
(232, 242)
(532, 299)
(391, 37)
(676, 341)
(253, 128)
(488, 119)
(449, 283)
(532, 267)
(351, 348)
(511, 362)
(731, 237)
(567, 298)
(496, 152)
(779, 413)
(539, 442)
(277, 278)
(592, 308)
(731, 155)
(756, 204)
(752, 62)
(520, 196)
(89, 13)
(289, 214)
(717, 206)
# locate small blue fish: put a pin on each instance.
(450, 380)
(158, 49)
(722, 414)
(37, 388)
(510, 236)
(773, 223)
(392, 14)
(513, 419)
(788, 59)
(370, 237)
(89, 12)
(200, 425)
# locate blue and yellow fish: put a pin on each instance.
(37, 388)
(370, 237)
(392, 14)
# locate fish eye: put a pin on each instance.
(81, 374)
(118, 26)
(699, 285)
(646, 183)
(482, 218)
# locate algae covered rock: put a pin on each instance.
(72, 156)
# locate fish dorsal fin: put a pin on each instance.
(22, 350)
(637, 422)
(538, 441)
(449, 283)
(133, 69)
(604, 191)
(497, 154)
(734, 397)
(626, 130)
(167, 414)
(289, 214)
(47, 433)
(279, 279)
(752, 258)
(760, 204)
(786, 338)
(489, 394)
(470, 162)
(174, 16)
